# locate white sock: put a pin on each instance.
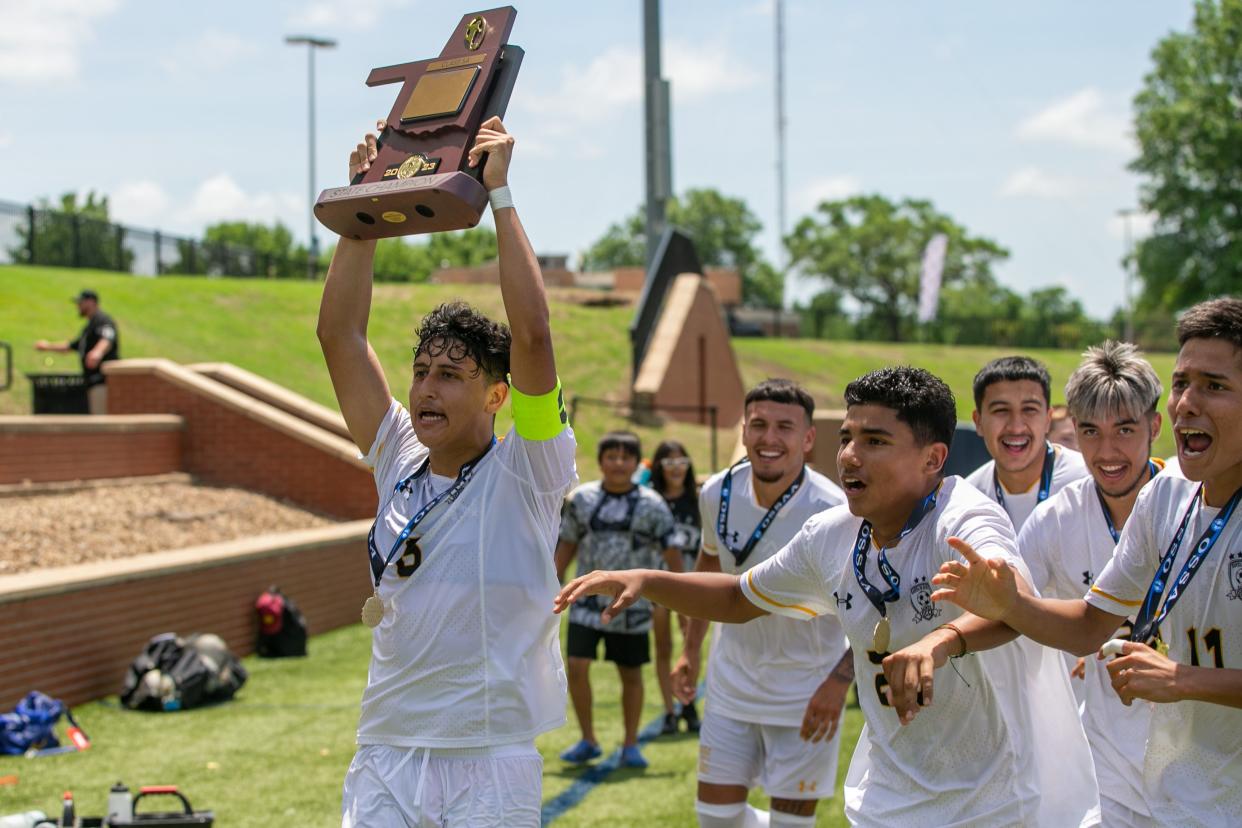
(780, 819)
(731, 815)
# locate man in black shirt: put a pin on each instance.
(97, 344)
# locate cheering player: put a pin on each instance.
(1177, 570)
(465, 663)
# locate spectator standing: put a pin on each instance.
(96, 344)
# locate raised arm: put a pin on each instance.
(357, 378)
(531, 362)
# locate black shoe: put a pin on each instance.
(670, 724)
(692, 718)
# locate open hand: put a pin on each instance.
(986, 587)
(625, 587)
(823, 711)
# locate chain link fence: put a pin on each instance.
(32, 235)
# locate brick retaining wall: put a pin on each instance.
(47, 448)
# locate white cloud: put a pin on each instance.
(142, 203)
(831, 188)
(1084, 119)
(1141, 225)
(39, 42)
(219, 198)
(212, 49)
(1032, 181)
(327, 15)
(613, 80)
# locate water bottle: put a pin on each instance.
(120, 804)
(26, 820)
(68, 815)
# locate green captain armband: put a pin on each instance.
(539, 418)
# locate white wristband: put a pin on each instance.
(500, 198)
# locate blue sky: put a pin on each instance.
(1013, 118)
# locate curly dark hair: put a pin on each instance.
(921, 399)
(464, 332)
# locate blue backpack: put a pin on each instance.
(31, 725)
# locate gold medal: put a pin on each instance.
(880, 638)
(373, 611)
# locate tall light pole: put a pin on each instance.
(1126, 214)
(782, 262)
(312, 43)
(657, 128)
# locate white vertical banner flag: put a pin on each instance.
(929, 283)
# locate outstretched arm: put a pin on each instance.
(361, 388)
(1143, 673)
(714, 596)
(531, 362)
(989, 588)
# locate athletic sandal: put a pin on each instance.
(670, 724)
(582, 752)
(632, 757)
(692, 718)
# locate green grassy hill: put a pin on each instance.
(268, 327)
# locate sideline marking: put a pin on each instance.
(596, 773)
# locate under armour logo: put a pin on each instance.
(847, 600)
(1087, 577)
(732, 537)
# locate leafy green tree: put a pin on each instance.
(871, 249)
(245, 248)
(402, 260)
(723, 230)
(1188, 121)
(73, 234)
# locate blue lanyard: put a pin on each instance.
(863, 543)
(1045, 478)
(722, 515)
(1108, 518)
(1144, 626)
(464, 475)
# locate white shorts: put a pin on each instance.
(733, 752)
(434, 787)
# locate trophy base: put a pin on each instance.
(406, 207)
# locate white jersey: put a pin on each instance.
(467, 654)
(1066, 543)
(1002, 744)
(1193, 765)
(1067, 467)
(766, 671)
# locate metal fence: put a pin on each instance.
(701, 441)
(42, 236)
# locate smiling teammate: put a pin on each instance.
(1112, 399)
(465, 665)
(996, 740)
(1013, 414)
(1178, 570)
(775, 687)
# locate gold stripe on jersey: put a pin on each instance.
(750, 580)
(1114, 598)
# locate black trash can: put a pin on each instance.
(59, 394)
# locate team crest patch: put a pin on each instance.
(921, 599)
(1235, 576)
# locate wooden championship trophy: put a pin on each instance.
(419, 181)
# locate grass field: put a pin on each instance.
(268, 327)
(277, 754)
